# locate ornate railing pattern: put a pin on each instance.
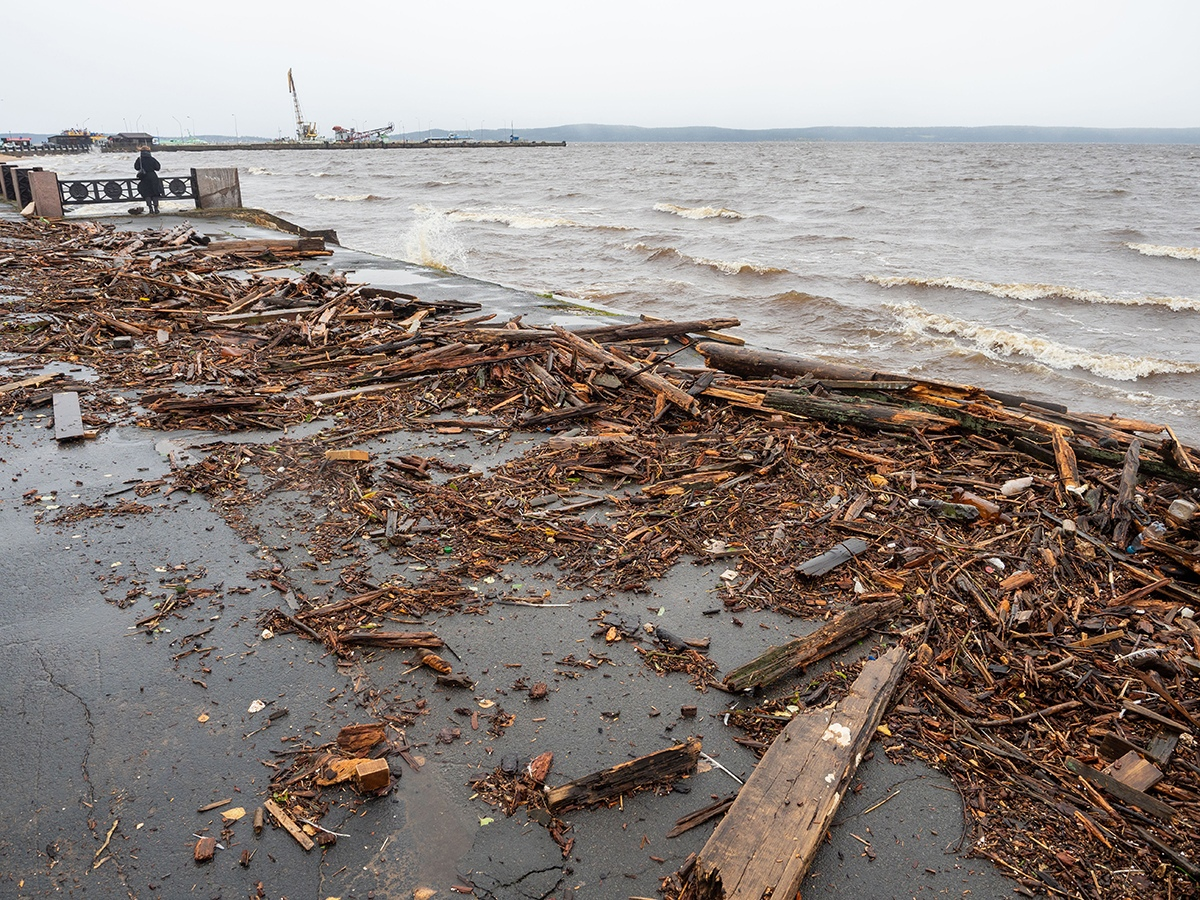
(122, 190)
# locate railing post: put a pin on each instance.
(47, 200)
(4, 181)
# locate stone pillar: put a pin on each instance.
(217, 188)
(47, 200)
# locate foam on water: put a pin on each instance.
(728, 267)
(1173, 252)
(698, 212)
(998, 342)
(348, 198)
(1033, 291)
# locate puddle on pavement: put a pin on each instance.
(15, 365)
(387, 277)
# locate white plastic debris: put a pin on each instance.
(1016, 485)
(267, 634)
(256, 706)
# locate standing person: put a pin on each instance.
(149, 184)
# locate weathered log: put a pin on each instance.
(661, 329)
(645, 771)
(395, 640)
(860, 415)
(1127, 494)
(839, 632)
(767, 840)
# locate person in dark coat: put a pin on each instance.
(149, 184)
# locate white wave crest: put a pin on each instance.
(260, 170)
(728, 267)
(996, 343)
(348, 198)
(1173, 252)
(319, 175)
(512, 219)
(1023, 291)
(698, 212)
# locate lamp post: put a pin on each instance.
(180, 124)
(191, 127)
(236, 136)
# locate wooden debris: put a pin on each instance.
(372, 775)
(288, 824)
(838, 633)
(359, 739)
(767, 840)
(637, 774)
(205, 849)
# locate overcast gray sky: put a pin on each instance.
(218, 66)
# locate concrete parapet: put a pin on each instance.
(217, 188)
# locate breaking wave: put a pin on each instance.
(431, 241)
(260, 170)
(1021, 291)
(513, 220)
(1173, 252)
(727, 267)
(348, 198)
(996, 342)
(698, 212)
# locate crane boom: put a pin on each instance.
(305, 131)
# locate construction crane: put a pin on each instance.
(350, 136)
(305, 131)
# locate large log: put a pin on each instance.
(767, 840)
(839, 632)
(861, 415)
(645, 771)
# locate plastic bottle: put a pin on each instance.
(988, 510)
(1180, 512)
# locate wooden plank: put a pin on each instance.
(769, 837)
(839, 632)
(68, 423)
(645, 771)
(34, 381)
(288, 823)
(1122, 792)
(1133, 771)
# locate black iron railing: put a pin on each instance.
(122, 190)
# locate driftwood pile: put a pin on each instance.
(1040, 568)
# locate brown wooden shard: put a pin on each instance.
(767, 840)
(839, 632)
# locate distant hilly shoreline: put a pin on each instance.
(983, 134)
(987, 134)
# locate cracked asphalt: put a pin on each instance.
(111, 740)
